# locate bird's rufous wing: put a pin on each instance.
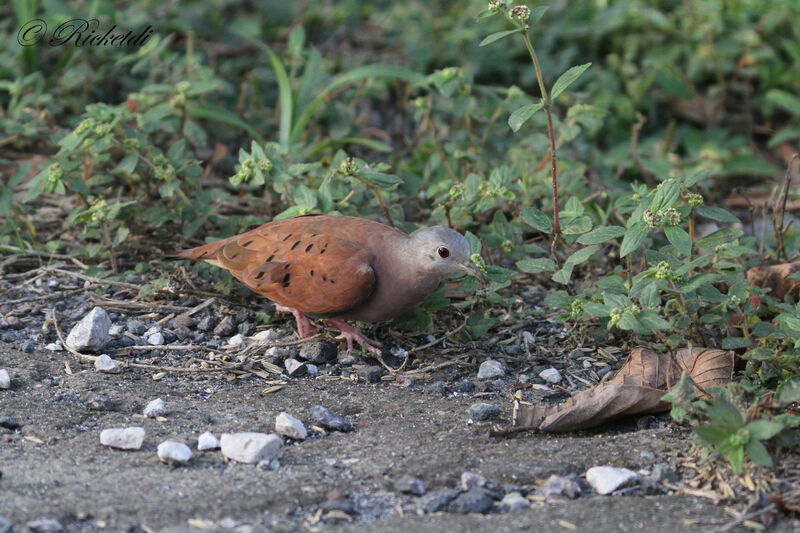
(300, 263)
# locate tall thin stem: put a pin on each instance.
(546, 103)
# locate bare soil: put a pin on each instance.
(54, 466)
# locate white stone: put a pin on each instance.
(514, 501)
(550, 375)
(91, 333)
(289, 426)
(267, 335)
(54, 347)
(171, 451)
(45, 525)
(251, 448)
(471, 480)
(207, 441)
(294, 367)
(105, 364)
(607, 479)
(399, 351)
(152, 330)
(528, 337)
(116, 330)
(312, 370)
(277, 351)
(155, 408)
(491, 369)
(236, 341)
(156, 339)
(5, 379)
(587, 364)
(130, 438)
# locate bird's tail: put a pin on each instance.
(207, 252)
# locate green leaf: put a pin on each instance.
(497, 36)
(596, 309)
(566, 79)
(764, 429)
(696, 178)
(602, 234)
(758, 453)
(722, 236)
(732, 343)
(219, 114)
(582, 255)
(785, 100)
(521, 115)
(536, 14)
(536, 219)
(535, 266)
(379, 178)
(284, 96)
(577, 225)
(666, 194)
(634, 237)
(789, 391)
(563, 275)
(717, 213)
(679, 239)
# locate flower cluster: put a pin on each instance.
(349, 167)
(662, 217)
(521, 13)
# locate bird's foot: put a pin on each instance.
(304, 326)
(350, 334)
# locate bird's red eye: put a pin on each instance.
(443, 252)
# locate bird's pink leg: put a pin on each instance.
(304, 326)
(350, 334)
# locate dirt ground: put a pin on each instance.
(54, 466)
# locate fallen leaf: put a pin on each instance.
(636, 389)
(776, 277)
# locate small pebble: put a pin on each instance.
(607, 479)
(312, 370)
(98, 402)
(318, 353)
(559, 486)
(471, 480)
(587, 364)
(576, 353)
(529, 338)
(225, 328)
(251, 448)
(514, 501)
(13, 322)
(5, 525)
(372, 374)
(410, 485)
(490, 369)
(130, 438)
(54, 347)
(105, 364)
(155, 339)
(29, 346)
(477, 500)
(9, 423)
(136, 327)
(155, 408)
(483, 411)
(236, 341)
(205, 324)
(437, 501)
(267, 335)
(5, 379)
(550, 375)
(183, 321)
(91, 333)
(174, 452)
(207, 441)
(45, 525)
(115, 330)
(329, 420)
(289, 426)
(294, 367)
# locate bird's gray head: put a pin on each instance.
(444, 252)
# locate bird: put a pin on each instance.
(338, 268)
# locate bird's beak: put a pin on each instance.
(472, 269)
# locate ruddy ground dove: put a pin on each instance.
(339, 268)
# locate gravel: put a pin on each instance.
(607, 479)
(289, 426)
(560, 486)
(251, 448)
(225, 328)
(294, 367)
(483, 411)
(155, 408)
(410, 485)
(436, 501)
(477, 500)
(5, 379)
(130, 438)
(550, 375)
(318, 353)
(174, 452)
(105, 364)
(329, 420)
(45, 525)
(91, 333)
(491, 369)
(372, 374)
(207, 441)
(471, 480)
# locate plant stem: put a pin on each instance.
(546, 103)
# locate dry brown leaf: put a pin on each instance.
(776, 277)
(636, 389)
